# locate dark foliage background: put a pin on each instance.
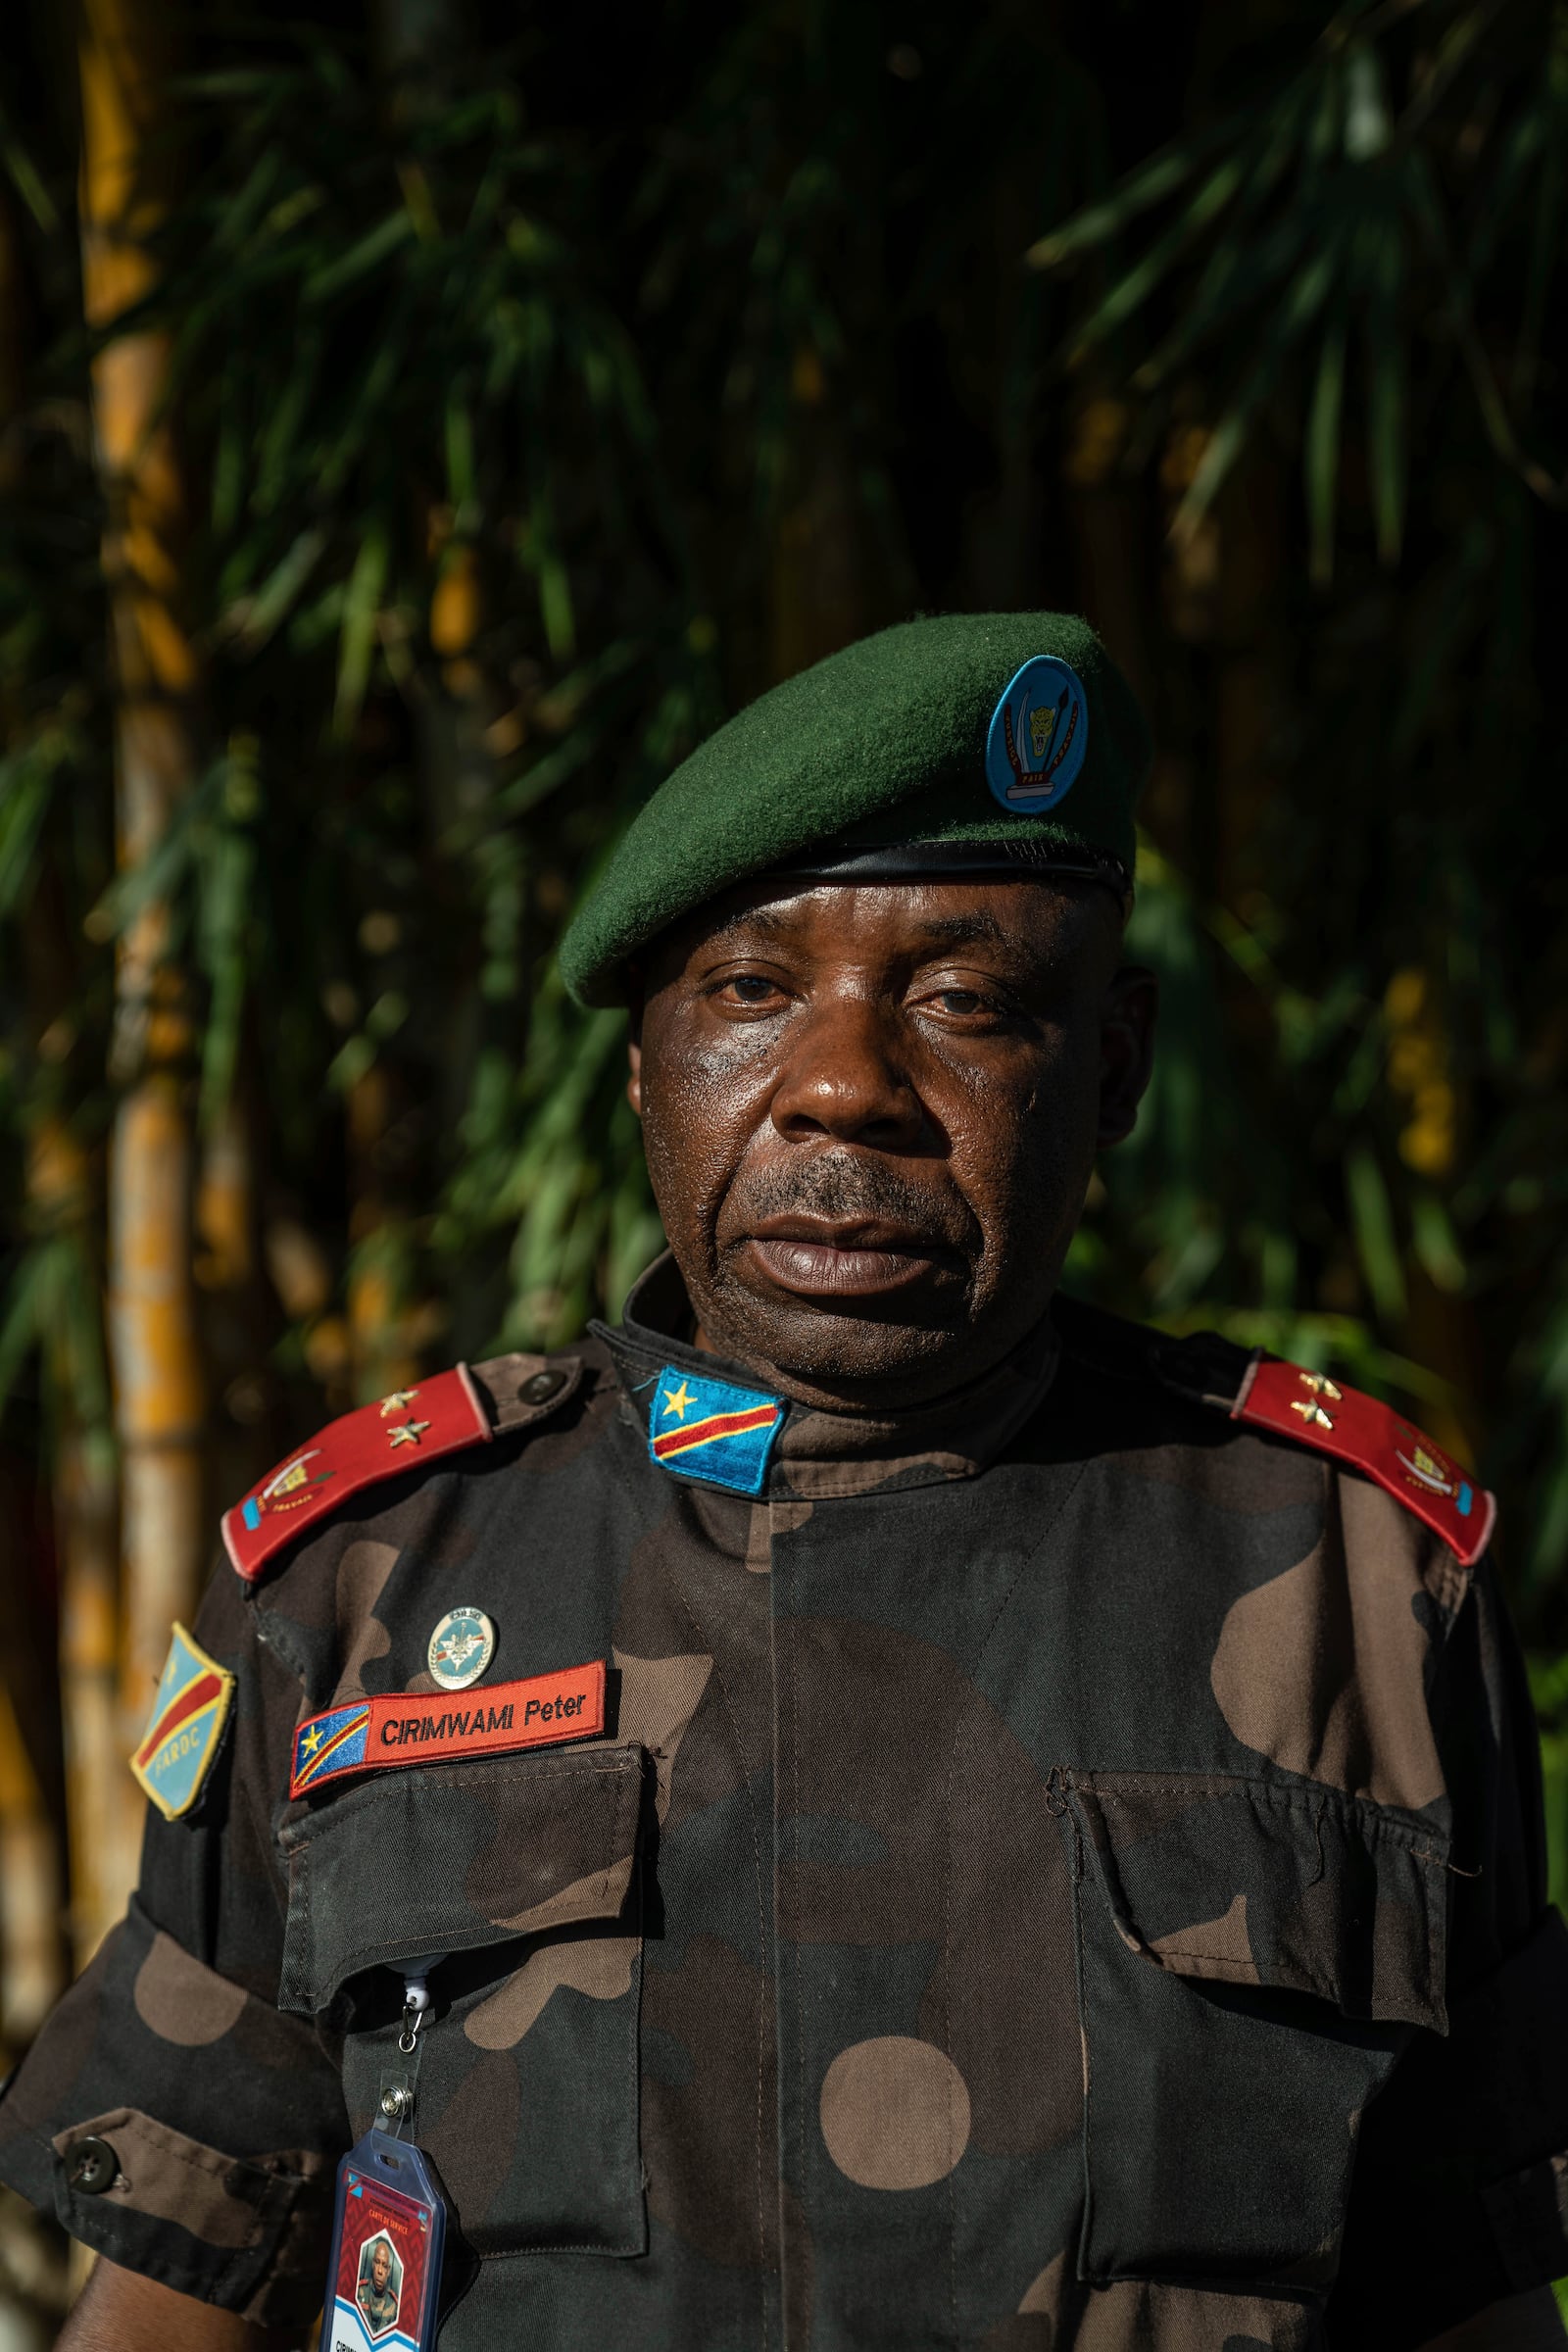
(544, 386)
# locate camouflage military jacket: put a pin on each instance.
(1060, 1869)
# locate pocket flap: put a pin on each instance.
(1248, 1881)
(445, 1858)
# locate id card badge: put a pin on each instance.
(388, 2228)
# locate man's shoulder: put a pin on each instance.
(1201, 1387)
(446, 1420)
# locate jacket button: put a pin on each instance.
(91, 2165)
(540, 1387)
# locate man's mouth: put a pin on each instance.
(863, 1258)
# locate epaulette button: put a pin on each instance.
(540, 1387)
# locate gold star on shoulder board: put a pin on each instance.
(1320, 1385)
(399, 1402)
(409, 1433)
(1312, 1413)
(678, 1399)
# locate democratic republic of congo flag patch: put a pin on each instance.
(705, 1429)
(185, 1728)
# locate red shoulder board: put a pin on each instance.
(1374, 1438)
(412, 1426)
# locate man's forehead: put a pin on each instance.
(1028, 917)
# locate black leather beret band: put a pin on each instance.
(909, 860)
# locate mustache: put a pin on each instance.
(841, 1188)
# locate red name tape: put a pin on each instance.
(374, 1735)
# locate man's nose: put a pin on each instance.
(847, 1075)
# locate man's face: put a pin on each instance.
(380, 2269)
(870, 1113)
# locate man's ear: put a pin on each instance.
(1127, 1019)
(634, 1045)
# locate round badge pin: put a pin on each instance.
(461, 1648)
(1038, 736)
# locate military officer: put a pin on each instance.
(868, 1805)
(374, 2294)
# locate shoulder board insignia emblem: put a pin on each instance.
(372, 1734)
(706, 1430)
(1373, 1437)
(185, 1728)
(442, 1416)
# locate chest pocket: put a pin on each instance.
(1252, 1959)
(524, 1871)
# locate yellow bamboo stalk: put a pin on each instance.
(99, 1842)
(160, 1401)
(29, 1892)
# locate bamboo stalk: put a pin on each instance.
(160, 1401)
(29, 1892)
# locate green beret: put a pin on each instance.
(979, 742)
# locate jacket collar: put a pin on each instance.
(818, 1454)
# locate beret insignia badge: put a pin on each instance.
(1038, 736)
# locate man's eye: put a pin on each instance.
(963, 1000)
(749, 988)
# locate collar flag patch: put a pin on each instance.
(185, 1728)
(403, 1726)
(706, 1430)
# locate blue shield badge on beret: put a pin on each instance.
(1038, 737)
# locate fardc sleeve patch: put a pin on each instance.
(185, 1729)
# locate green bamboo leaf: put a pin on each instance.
(248, 202)
(1323, 450)
(276, 455)
(254, 618)
(462, 487)
(360, 259)
(1387, 367)
(361, 607)
(1518, 150)
(1436, 1244)
(77, 1353)
(1372, 1222)
(1151, 184)
(371, 396)
(1368, 127)
(26, 785)
(160, 876)
(1308, 293)
(1131, 291)
(25, 1317)
(555, 589)
(1235, 277)
(27, 180)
